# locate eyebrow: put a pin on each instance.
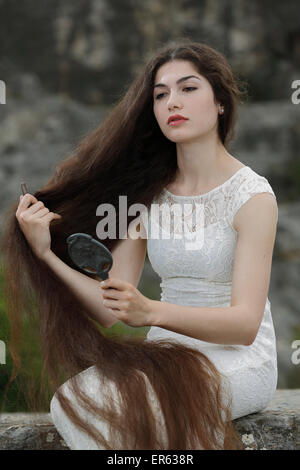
(182, 79)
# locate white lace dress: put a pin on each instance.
(201, 275)
(198, 272)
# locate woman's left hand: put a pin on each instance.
(126, 302)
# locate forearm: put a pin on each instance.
(221, 325)
(87, 290)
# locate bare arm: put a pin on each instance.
(220, 325)
(128, 260)
(86, 289)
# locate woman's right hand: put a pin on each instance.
(34, 222)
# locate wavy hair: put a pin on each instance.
(127, 154)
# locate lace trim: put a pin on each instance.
(216, 208)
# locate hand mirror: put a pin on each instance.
(89, 254)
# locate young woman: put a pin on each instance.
(210, 354)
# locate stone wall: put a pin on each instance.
(275, 428)
(82, 48)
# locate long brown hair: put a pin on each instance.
(127, 154)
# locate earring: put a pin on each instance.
(222, 110)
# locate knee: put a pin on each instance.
(54, 407)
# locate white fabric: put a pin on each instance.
(198, 277)
(96, 388)
(203, 277)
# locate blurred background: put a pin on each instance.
(65, 64)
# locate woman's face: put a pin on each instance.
(192, 98)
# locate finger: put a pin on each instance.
(112, 294)
(114, 283)
(28, 199)
(115, 312)
(113, 304)
(40, 213)
(25, 202)
(40, 209)
(50, 216)
(35, 211)
(37, 206)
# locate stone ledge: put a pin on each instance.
(275, 428)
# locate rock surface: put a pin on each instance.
(79, 53)
(275, 428)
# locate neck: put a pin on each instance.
(201, 164)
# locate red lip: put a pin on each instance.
(176, 116)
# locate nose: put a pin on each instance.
(174, 102)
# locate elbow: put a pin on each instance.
(252, 329)
(251, 338)
(249, 342)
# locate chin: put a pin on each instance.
(183, 138)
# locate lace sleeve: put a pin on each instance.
(249, 188)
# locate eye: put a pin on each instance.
(159, 96)
(190, 88)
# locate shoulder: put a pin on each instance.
(254, 201)
(250, 180)
(261, 208)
